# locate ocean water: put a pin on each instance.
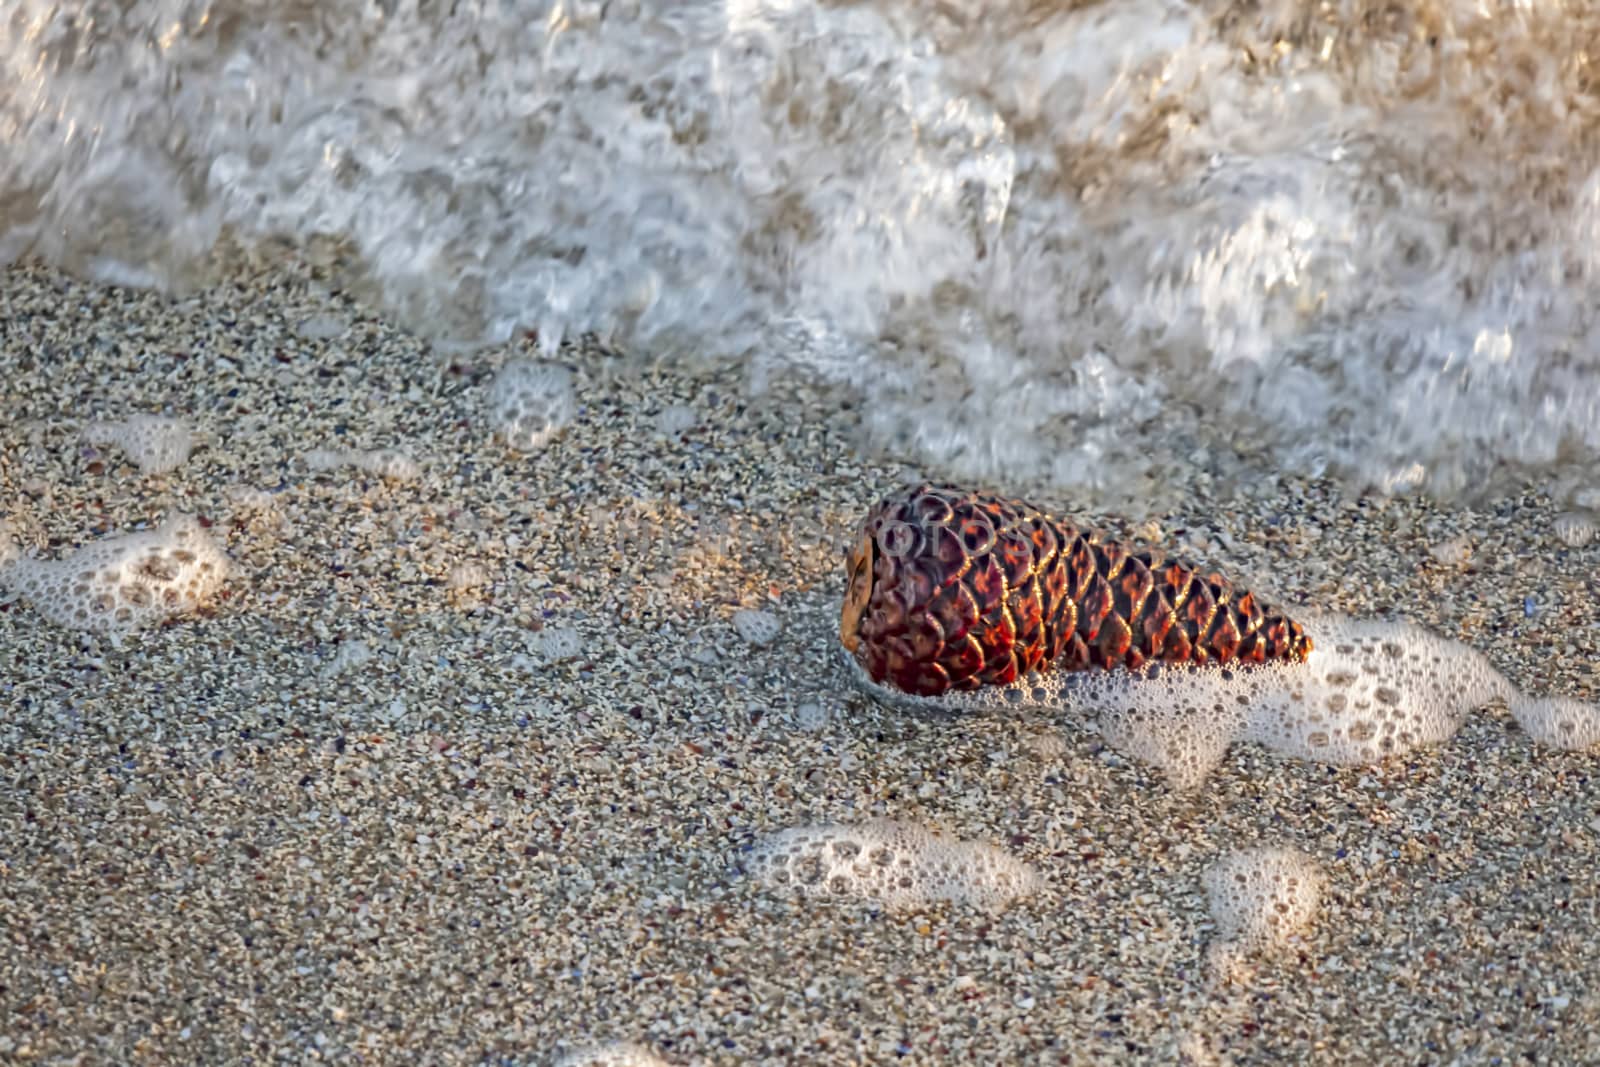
(1055, 242)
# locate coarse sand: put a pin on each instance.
(460, 769)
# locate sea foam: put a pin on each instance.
(900, 865)
(613, 1054)
(1367, 690)
(1020, 231)
(155, 443)
(122, 583)
(1260, 900)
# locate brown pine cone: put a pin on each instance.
(952, 589)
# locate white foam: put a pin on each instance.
(531, 403)
(759, 628)
(248, 499)
(810, 717)
(676, 419)
(557, 644)
(385, 463)
(1560, 722)
(1261, 899)
(1455, 552)
(1186, 741)
(325, 459)
(10, 551)
(1575, 528)
(350, 655)
(127, 582)
(323, 327)
(615, 1054)
(1367, 690)
(155, 443)
(899, 865)
(978, 214)
(464, 576)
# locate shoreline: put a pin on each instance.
(224, 842)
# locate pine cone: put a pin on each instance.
(952, 589)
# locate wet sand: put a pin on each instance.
(364, 810)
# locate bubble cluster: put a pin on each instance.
(155, 443)
(1576, 528)
(1186, 743)
(928, 236)
(1414, 674)
(1560, 722)
(350, 655)
(384, 463)
(557, 644)
(1455, 552)
(1367, 690)
(675, 420)
(325, 459)
(615, 1054)
(759, 628)
(810, 716)
(465, 576)
(1260, 899)
(10, 551)
(531, 403)
(247, 499)
(324, 327)
(899, 865)
(127, 582)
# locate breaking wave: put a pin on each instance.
(1047, 241)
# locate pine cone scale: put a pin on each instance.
(952, 589)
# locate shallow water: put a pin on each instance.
(1048, 242)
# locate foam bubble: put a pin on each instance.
(248, 498)
(1456, 552)
(10, 551)
(325, 459)
(123, 583)
(759, 628)
(811, 716)
(1367, 690)
(900, 865)
(350, 656)
(465, 576)
(676, 419)
(1185, 741)
(1560, 722)
(558, 643)
(1575, 528)
(615, 1054)
(324, 327)
(531, 403)
(385, 463)
(155, 443)
(1260, 900)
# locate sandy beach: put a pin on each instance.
(459, 770)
